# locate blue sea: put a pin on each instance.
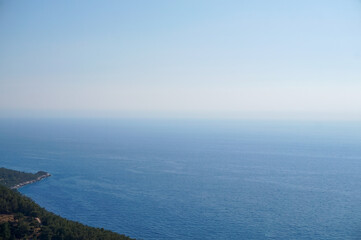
(194, 179)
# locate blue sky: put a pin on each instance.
(235, 59)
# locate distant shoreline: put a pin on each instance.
(19, 185)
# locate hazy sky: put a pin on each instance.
(287, 59)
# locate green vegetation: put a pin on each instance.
(11, 178)
(22, 218)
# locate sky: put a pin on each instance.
(259, 59)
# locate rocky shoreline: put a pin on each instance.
(17, 186)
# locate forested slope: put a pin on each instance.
(12, 178)
(22, 218)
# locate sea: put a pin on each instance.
(194, 179)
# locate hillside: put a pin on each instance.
(22, 218)
(15, 179)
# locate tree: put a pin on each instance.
(5, 230)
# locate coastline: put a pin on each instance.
(19, 185)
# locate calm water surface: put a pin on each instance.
(157, 179)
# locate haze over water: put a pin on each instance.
(243, 59)
(194, 179)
